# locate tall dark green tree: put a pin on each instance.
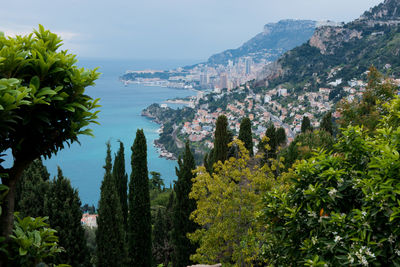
(160, 237)
(110, 231)
(221, 139)
(63, 207)
(280, 136)
(305, 125)
(139, 218)
(183, 207)
(245, 135)
(121, 182)
(32, 189)
(326, 123)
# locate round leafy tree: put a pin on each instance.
(43, 105)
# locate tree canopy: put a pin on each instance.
(43, 104)
(228, 202)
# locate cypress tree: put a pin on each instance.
(183, 207)
(221, 139)
(169, 216)
(139, 218)
(121, 182)
(160, 237)
(280, 136)
(32, 189)
(245, 135)
(63, 207)
(326, 123)
(305, 125)
(110, 230)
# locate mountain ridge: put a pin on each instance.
(372, 39)
(275, 39)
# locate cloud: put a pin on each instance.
(24, 30)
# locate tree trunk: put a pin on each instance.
(7, 215)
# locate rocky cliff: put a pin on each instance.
(372, 39)
(272, 42)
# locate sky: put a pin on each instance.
(164, 29)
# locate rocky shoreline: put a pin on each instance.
(163, 152)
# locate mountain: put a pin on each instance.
(275, 39)
(349, 49)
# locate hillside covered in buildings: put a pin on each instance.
(308, 80)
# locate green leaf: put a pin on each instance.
(46, 91)
(22, 252)
(35, 83)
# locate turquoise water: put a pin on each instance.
(119, 119)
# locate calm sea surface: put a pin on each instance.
(119, 119)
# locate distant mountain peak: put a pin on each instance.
(372, 39)
(273, 41)
(386, 11)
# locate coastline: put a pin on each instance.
(163, 152)
(164, 84)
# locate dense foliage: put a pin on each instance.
(62, 205)
(32, 189)
(33, 242)
(342, 207)
(37, 196)
(367, 111)
(228, 203)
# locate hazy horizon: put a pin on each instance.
(156, 29)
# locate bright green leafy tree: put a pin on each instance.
(342, 207)
(228, 204)
(43, 105)
(33, 242)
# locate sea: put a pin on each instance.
(119, 118)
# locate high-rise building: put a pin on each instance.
(248, 63)
(204, 80)
(223, 80)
